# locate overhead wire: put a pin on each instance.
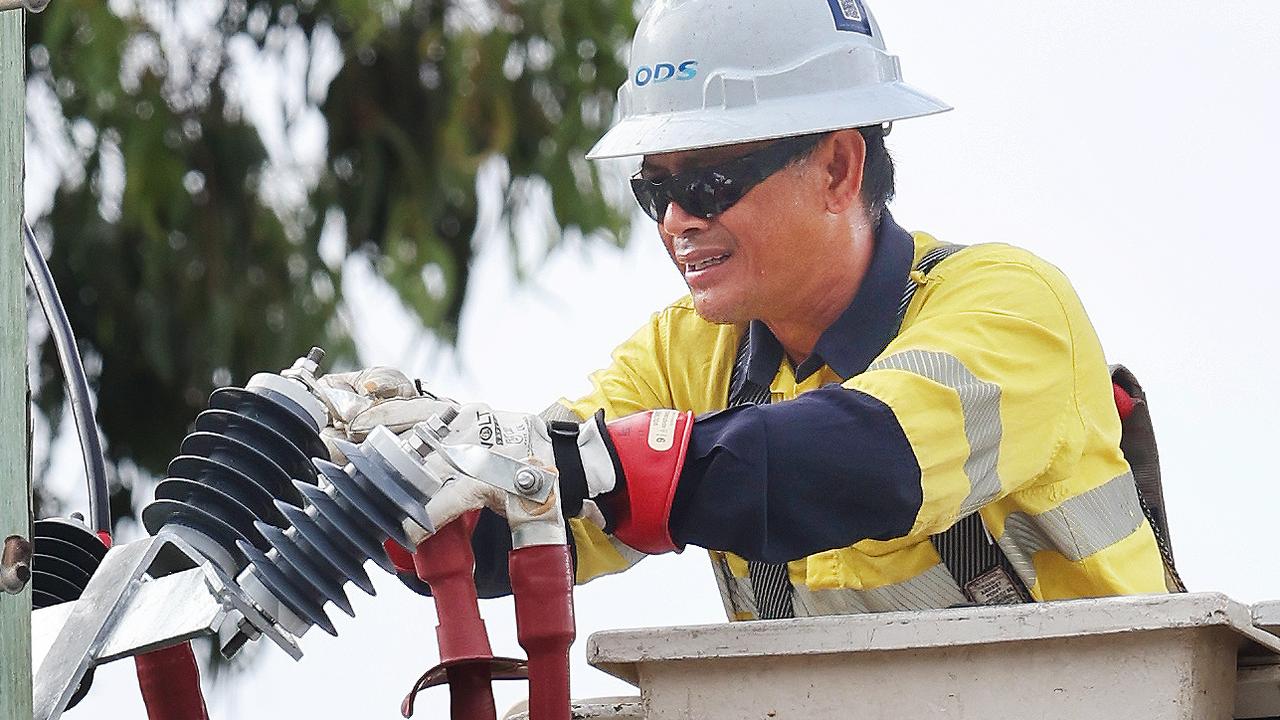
(77, 381)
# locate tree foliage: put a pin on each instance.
(186, 238)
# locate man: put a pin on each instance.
(849, 395)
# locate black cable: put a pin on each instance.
(64, 340)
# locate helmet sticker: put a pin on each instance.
(662, 72)
(850, 16)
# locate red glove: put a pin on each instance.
(648, 451)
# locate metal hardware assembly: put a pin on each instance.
(255, 533)
(34, 6)
(148, 594)
(240, 474)
(15, 564)
(527, 481)
(490, 467)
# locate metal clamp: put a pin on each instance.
(514, 476)
(34, 6)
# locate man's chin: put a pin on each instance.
(719, 313)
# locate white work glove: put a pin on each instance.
(361, 400)
(522, 437)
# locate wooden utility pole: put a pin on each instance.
(15, 486)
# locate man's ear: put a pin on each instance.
(844, 152)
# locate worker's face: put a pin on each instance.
(748, 261)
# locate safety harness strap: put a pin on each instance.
(770, 582)
(967, 550)
(964, 548)
(1138, 443)
(978, 565)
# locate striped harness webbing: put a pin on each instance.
(769, 581)
(967, 550)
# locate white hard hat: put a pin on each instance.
(705, 73)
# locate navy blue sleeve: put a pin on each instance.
(779, 482)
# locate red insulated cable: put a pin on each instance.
(170, 683)
(446, 562)
(542, 582)
(471, 693)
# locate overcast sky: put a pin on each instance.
(1132, 144)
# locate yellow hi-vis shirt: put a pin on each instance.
(999, 384)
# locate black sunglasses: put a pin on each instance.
(709, 191)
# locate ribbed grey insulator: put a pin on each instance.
(347, 519)
(244, 492)
(245, 454)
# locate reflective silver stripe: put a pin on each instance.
(931, 589)
(1076, 529)
(980, 407)
(628, 553)
(736, 593)
(815, 603)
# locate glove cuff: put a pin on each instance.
(584, 459)
(649, 449)
(568, 459)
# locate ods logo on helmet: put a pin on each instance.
(662, 72)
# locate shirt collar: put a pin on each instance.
(865, 327)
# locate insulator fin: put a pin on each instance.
(326, 579)
(359, 535)
(387, 483)
(349, 560)
(277, 579)
(360, 493)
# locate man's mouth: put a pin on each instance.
(709, 262)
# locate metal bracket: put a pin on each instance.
(34, 6)
(123, 613)
(514, 476)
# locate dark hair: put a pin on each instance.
(877, 169)
(877, 172)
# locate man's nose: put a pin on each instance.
(677, 221)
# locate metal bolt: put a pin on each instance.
(316, 355)
(528, 481)
(15, 564)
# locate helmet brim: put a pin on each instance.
(714, 127)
